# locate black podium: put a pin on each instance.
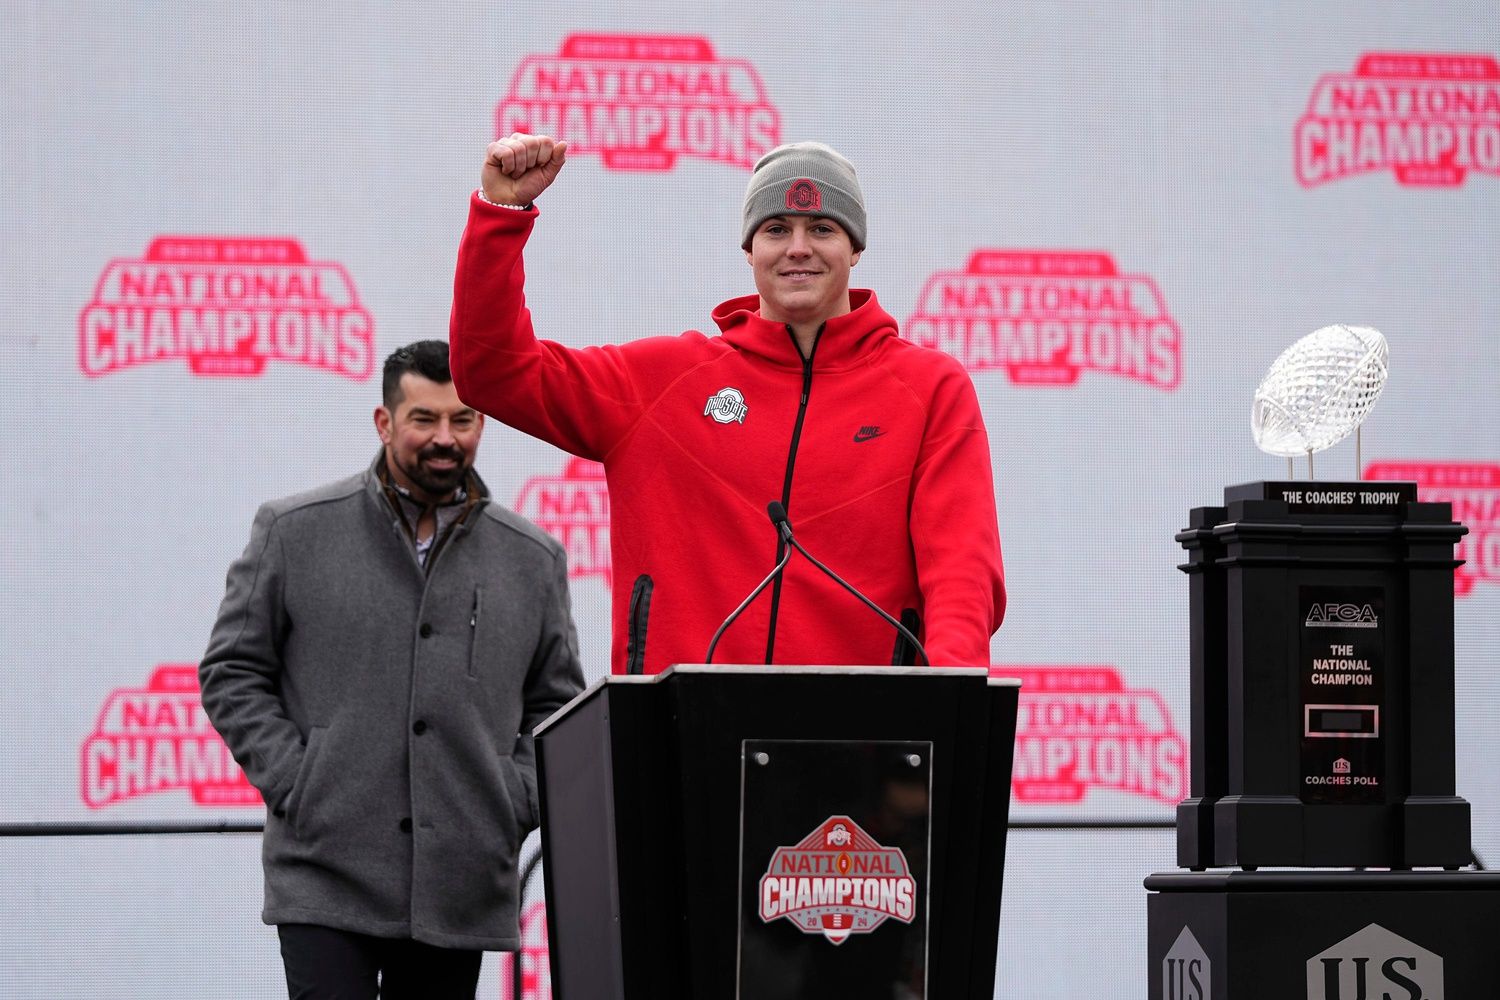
(777, 833)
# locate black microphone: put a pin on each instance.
(784, 526)
(786, 533)
(778, 518)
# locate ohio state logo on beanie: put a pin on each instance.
(804, 196)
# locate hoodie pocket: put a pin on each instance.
(640, 611)
(474, 615)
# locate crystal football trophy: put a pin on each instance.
(1319, 391)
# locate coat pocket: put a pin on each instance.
(474, 616)
(299, 803)
(520, 796)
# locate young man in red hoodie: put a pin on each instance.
(808, 396)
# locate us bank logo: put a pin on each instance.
(1186, 970)
(1473, 488)
(640, 102)
(574, 508)
(156, 738)
(225, 306)
(1430, 119)
(1374, 962)
(1045, 317)
(1080, 729)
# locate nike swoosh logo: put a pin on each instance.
(862, 436)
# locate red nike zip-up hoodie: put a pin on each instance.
(875, 445)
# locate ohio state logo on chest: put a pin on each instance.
(727, 406)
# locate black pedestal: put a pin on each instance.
(1322, 680)
(1323, 935)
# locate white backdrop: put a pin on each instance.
(291, 181)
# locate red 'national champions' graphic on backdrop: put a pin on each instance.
(1080, 728)
(158, 739)
(226, 305)
(536, 972)
(1045, 316)
(838, 881)
(641, 101)
(574, 507)
(1430, 118)
(1473, 488)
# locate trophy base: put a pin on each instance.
(1256, 831)
(1324, 935)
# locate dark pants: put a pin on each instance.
(326, 964)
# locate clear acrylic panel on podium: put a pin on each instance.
(834, 845)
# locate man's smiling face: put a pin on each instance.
(801, 265)
(430, 437)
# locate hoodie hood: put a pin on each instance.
(847, 340)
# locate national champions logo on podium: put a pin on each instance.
(838, 881)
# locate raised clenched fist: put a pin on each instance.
(520, 167)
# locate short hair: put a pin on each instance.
(427, 358)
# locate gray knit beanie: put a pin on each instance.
(805, 178)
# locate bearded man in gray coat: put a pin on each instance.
(385, 646)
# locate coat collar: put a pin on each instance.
(847, 340)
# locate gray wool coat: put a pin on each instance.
(385, 713)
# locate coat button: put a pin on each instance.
(419, 727)
(406, 824)
(425, 630)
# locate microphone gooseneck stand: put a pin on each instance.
(777, 512)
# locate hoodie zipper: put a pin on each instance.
(791, 462)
